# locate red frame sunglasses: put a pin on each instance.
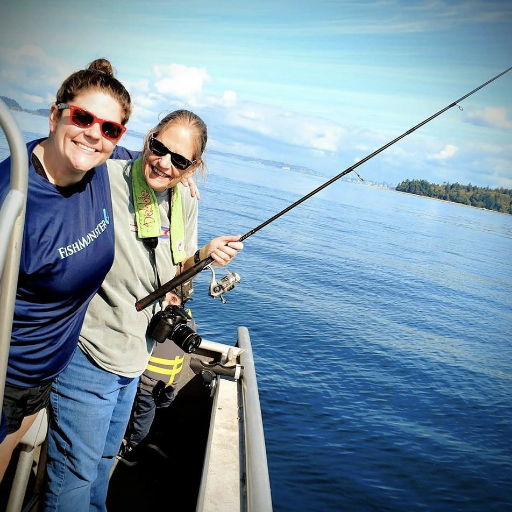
(84, 119)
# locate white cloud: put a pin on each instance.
(142, 101)
(172, 86)
(178, 86)
(180, 81)
(448, 152)
(228, 99)
(33, 98)
(142, 87)
(490, 116)
(291, 128)
(30, 71)
(504, 150)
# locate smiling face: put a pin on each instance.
(158, 170)
(71, 151)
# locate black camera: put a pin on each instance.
(171, 323)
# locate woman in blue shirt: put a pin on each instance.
(68, 243)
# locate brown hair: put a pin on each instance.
(99, 76)
(197, 127)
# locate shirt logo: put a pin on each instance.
(83, 242)
(106, 217)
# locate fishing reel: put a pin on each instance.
(219, 288)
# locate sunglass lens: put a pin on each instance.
(82, 118)
(179, 161)
(157, 147)
(111, 130)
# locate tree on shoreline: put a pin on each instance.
(498, 199)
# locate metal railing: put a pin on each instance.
(12, 220)
(235, 472)
(259, 497)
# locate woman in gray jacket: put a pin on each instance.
(155, 237)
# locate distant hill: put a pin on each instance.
(40, 112)
(14, 105)
(271, 163)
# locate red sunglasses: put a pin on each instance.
(84, 119)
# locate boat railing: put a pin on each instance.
(12, 220)
(12, 223)
(235, 472)
(259, 498)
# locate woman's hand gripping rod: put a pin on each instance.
(191, 272)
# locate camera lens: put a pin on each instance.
(185, 338)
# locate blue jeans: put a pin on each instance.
(90, 410)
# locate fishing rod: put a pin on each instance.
(198, 267)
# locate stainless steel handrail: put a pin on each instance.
(259, 497)
(12, 221)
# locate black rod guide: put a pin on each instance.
(193, 271)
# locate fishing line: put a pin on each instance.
(191, 272)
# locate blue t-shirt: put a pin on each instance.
(68, 248)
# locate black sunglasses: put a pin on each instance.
(83, 119)
(158, 148)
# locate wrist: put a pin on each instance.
(197, 256)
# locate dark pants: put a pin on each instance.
(143, 413)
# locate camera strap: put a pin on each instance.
(151, 244)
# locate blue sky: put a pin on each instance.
(317, 83)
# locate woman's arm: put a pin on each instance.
(122, 153)
(222, 249)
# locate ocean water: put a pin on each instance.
(381, 326)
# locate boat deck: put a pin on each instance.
(215, 446)
(182, 433)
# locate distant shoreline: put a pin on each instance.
(451, 202)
